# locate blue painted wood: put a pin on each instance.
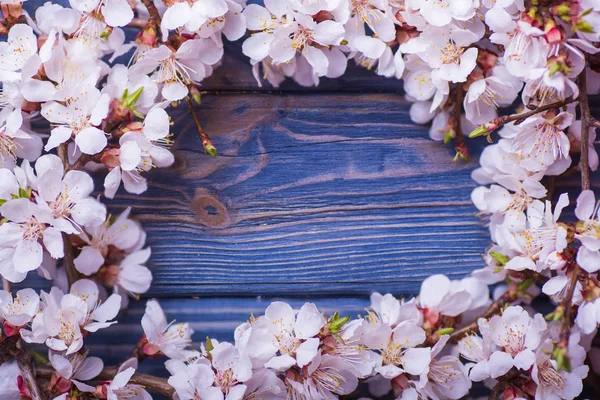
(323, 194)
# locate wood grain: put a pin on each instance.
(321, 193)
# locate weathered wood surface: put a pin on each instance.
(321, 193)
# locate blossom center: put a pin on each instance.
(549, 376)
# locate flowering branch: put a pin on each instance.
(209, 148)
(156, 384)
(499, 122)
(585, 130)
(25, 362)
(511, 295)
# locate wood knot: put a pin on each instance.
(210, 211)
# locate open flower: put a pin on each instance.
(588, 231)
(518, 335)
(281, 339)
(169, 339)
(77, 368)
(79, 119)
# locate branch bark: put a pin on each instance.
(585, 129)
(153, 383)
(494, 308)
(209, 148)
(25, 361)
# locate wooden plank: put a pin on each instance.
(320, 194)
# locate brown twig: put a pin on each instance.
(493, 125)
(138, 23)
(68, 261)
(153, 11)
(459, 139)
(25, 361)
(585, 130)
(6, 285)
(153, 383)
(494, 308)
(209, 148)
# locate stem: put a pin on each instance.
(493, 309)
(154, 383)
(209, 148)
(6, 285)
(459, 139)
(68, 261)
(72, 273)
(585, 130)
(138, 23)
(153, 11)
(25, 361)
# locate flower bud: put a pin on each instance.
(110, 157)
(108, 275)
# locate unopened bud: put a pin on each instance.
(462, 152)
(483, 129)
(110, 157)
(195, 93)
(109, 274)
(12, 11)
(210, 149)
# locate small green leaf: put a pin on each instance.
(24, 193)
(337, 324)
(130, 99)
(2, 201)
(209, 345)
(523, 286)
(499, 257)
(445, 331)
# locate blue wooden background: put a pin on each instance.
(323, 194)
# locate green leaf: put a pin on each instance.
(499, 257)
(445, 331)
(129, 100)
(25, 194)
(2, 201)
(209, 345)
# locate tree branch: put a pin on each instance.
(153, 383)
(153, 11)
(494, 308)
(25, 361)
(585, 129)
(489, 127)
(209, 148)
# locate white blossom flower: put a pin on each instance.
(543, 238)
(17, 312)
(121, 233)
(281, 339)
(588, 231)
(169, 338)
(175, 70)
(518, 335)
(119, 387)
(76, 368)
(79, 119)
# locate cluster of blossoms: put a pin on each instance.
(105, 98)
